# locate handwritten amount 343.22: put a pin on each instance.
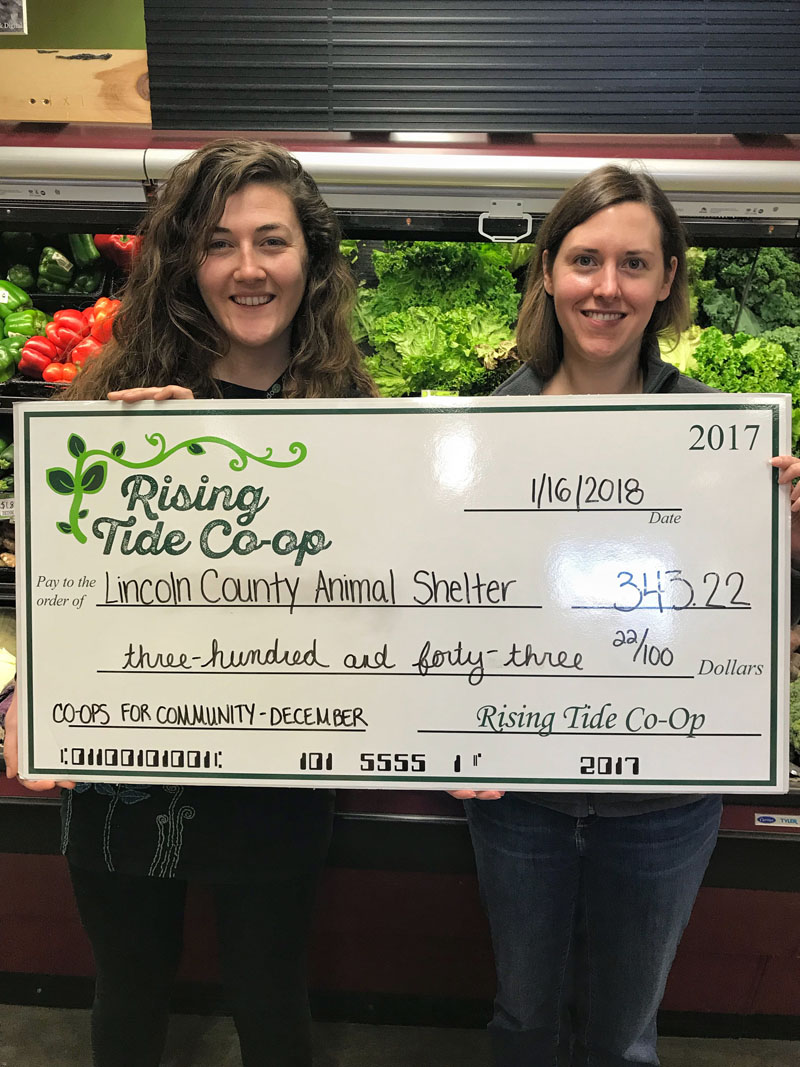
(670, 591)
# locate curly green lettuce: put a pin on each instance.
(794, 716)
(745, 364)
(441, 317)
(431, 348)
(444, 274)
(788, 337)
(681, 353)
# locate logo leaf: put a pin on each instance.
(94, 478)
(118, 449)
(60, 481)
(64, 527)
(196, 449)
(83, 514)
(76, 445)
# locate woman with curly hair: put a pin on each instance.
(239, 292)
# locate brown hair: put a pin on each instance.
(163, 333)
(539, 340)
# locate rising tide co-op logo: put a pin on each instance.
(147, 497)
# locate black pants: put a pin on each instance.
(135, 926)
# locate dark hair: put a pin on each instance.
(539, 340)
(163, 333)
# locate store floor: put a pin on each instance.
(41, 1037)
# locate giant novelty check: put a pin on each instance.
(532, 593)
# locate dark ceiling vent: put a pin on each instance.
(572, 66)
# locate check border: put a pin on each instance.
(25, 416)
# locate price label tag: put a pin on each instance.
(71, 192)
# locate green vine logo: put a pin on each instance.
(91, 468)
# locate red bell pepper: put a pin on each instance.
(41, 345)
(104, 305)
(104, 311)
(65, 331)
(63, 338)
(120, 248)
(32, 362)
(73, 320)
(59, 373)
(84, 350)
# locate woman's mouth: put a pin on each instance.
(604, 316)
(252, 301)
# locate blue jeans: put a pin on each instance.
(585, 917)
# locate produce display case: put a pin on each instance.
(465, 189)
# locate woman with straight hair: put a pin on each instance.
(588, 894)
(239, 292)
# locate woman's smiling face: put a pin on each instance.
(605, 281)
(253, 277)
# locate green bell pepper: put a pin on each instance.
(21, 276)
(45, 286)
(86, 281)
(84, 250)
(21, 247)
(12, 298)
(26, 323)
(7, 455)
(54, 267)
(10, 350)
(7, 484)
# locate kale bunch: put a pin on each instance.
(719, 277)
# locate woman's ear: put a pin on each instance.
(547, 277)
(669, 277)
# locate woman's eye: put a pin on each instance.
(636, 264)
(274, 242)
(584, 261)
(215, 246)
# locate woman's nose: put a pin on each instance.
(247, 265)
(606, 282)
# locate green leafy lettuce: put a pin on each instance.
(441, 317)
(681, 353)
(788, 337)
(745, 364)
(794, 716)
